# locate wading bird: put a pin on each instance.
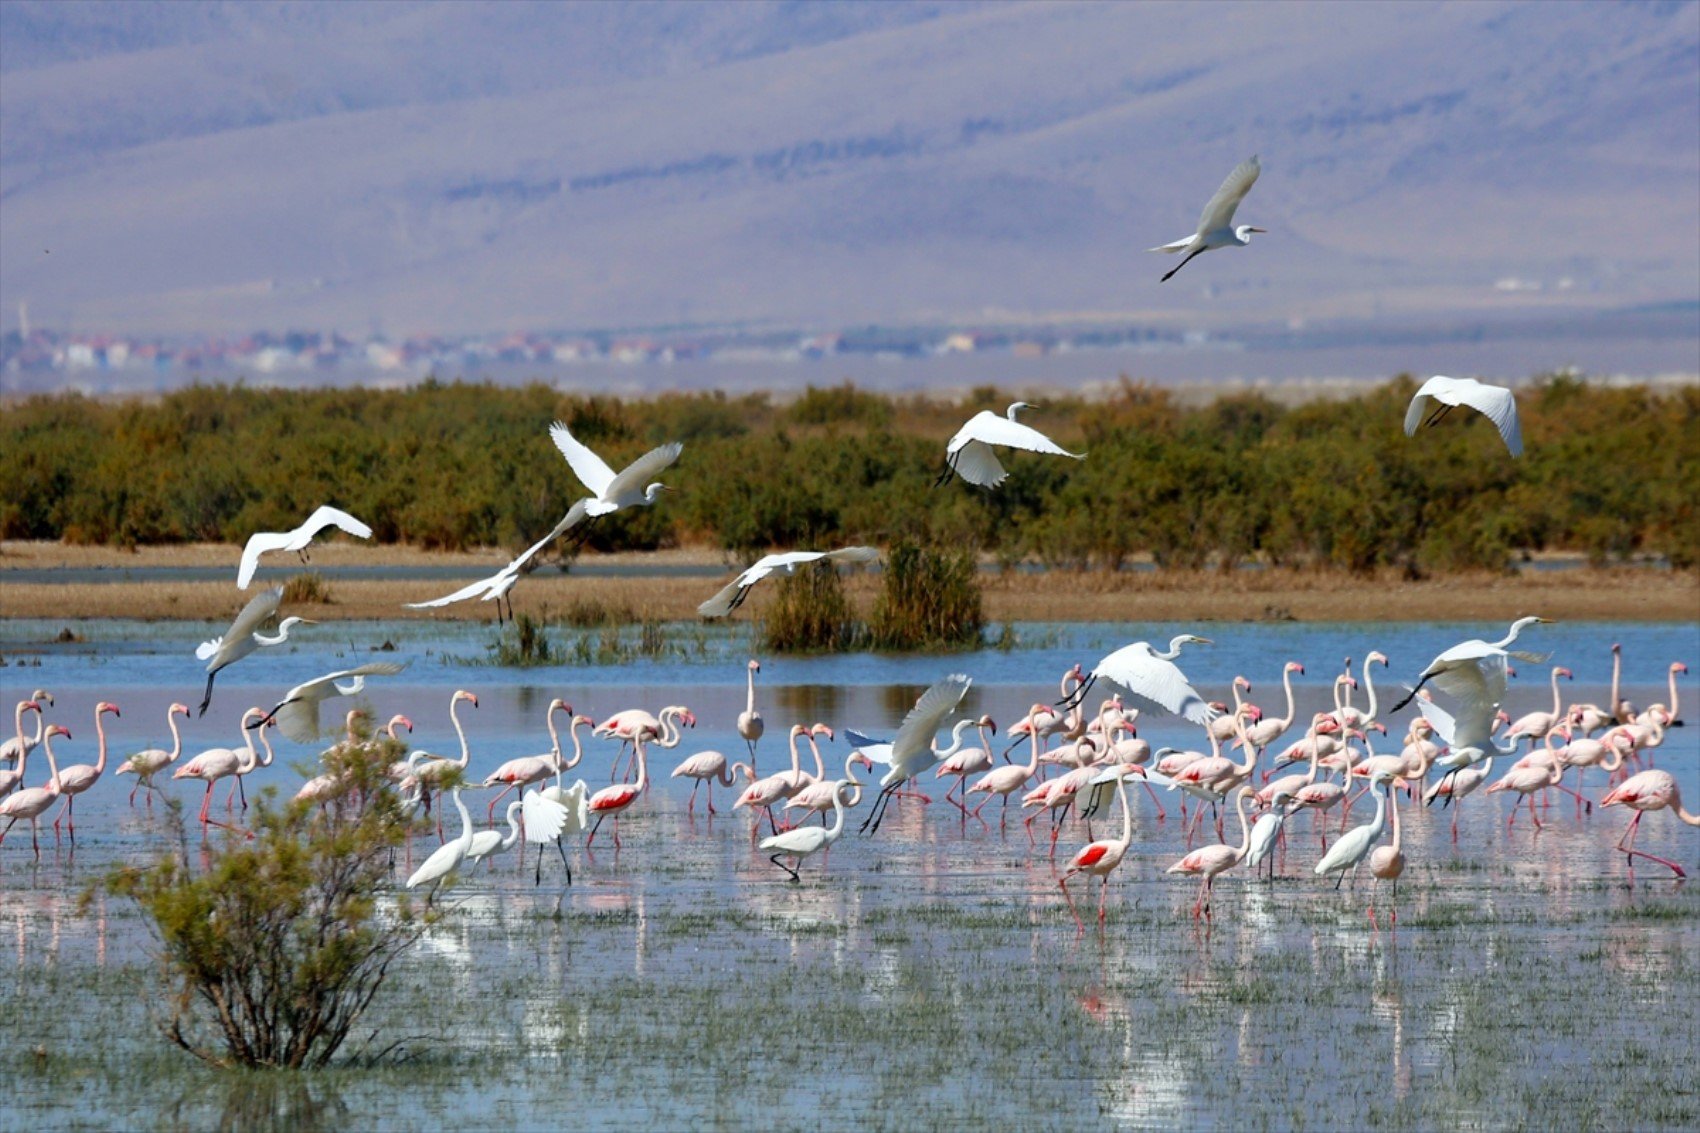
(13, 779)
(222, 762)
(611, 492)
(32, 802)
(497, 586)
(297, 714)
(1493, 402)
(969, 453)
(804, 841)
(1474, 671)
(1102, 857)
(445, 859)
(1216, 224)
(145, 764)
(732, 595)
(16, 746)
(264, 542)
(1648, 790)
(1152, 678)
(1209, 862)
(750, 724)
(244, 636)
(79, 777)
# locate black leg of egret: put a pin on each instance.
(207, 699)
(1182, 264)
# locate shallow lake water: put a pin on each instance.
(929, 976)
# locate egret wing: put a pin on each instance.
(1439, 718)
(853, 555)
(635, 476)
(1495, 403)
(916, 731)
(592, 471)
(721, 604)
(206, 649)
(1219, 213)
(470, 590)
(1174, 246)
(976, 463)
(989, 428)
(544, 818)
(327, 516)
(259, 610)
(259, 543)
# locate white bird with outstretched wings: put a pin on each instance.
(297, 714)
(1216, 223)
(732, 595)
(611, 491)
(496, 586)
(1493, 402)
(263, 542)
(970, 456)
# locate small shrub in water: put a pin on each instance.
(931, 600)
(279, 944)
(523, 644)
(809, 613)
(309, 587)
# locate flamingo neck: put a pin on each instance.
(643, 766)
(554, 736)
(1127, 813)
(100, 735)
(1369, 687)
(176, 736)
(726, 776)
(1292, 712)
(1033, 764)
(750, 700)
(454, 718)
(1673, 711)
(796, 759)
(1393, 813)
(52, 764)
(1245, 830)
(820, 764)
(578, 748)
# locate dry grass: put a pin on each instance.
(1582, 594)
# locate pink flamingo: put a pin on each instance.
(1226, 727)
(221, 763)
(1526, 781)
(1653, 712)
(1458, 786)
(1649, 790)
(18, 746)
(968, 761)
(1267, 730)
(1387, 863)
(750, 724)
(529, 769)
(32, 802)
(710, 767)
(1583, 753)
(796, 778)
(817, 796)
(1321, 797)
(144, 764)
(10, 780)
(612, 801)
(79, 777)
(764, 792)
(1006, 780)
(1209, 862)
(635, 723)
(1101, 858)
(1535, 725)
(1043, 719)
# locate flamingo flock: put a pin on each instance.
(1076, 766)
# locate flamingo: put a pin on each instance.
(145, 764)
(16, 746)
(31, 802)
(612, 801)
(1582, 753)
(445, 859)
(1209, 862)
(264, 542)
(807, 840)
(750, 724)
(709, 767)
(1271, 728)
(1046, 719)
(1102, 857)
(79, 777)
(1226, 727)
(1655, 712)
(10, 780)
(1649, 790)
(1006, 780)
(1526, 781)
(220, 763)
(763, 793)
(817, 796)
(1387, 863)
(663, 730)
(529, 769)
(1535, 725)
(969, 760)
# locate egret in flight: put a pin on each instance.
(1216, 226)
(732, 595)
(297, 714)
(1153, 678)
(969, 454)
(611, 492)
(1493, 402)
(263, 542)
(244, 637)
(497, 586)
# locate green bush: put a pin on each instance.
(810, 613)
(930, 600)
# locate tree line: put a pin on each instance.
(1609, 472)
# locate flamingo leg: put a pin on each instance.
(1079, 924)
(492, 814)
(1153, 794)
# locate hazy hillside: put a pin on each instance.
(462, 167)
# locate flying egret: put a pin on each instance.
(1474, 671)
(1152, 678)
(911, 751)
(497, 586)
(1493, 402)
(732, 595)
(244, 637)
(1216, 225)
(610, 492)
(297, 714)
(969, 454)
(263, 542)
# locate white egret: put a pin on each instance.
(803, 841)
(496, 587)
(732, 595)
(969, 454)
(297, 714)
(445, 859)
(244, 637)
(1494, 402)
(611, 492)
(1351, 848)
(1216, 224)
(1152, 678)
(911, 751)
(1475, 671)
(263, 542)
